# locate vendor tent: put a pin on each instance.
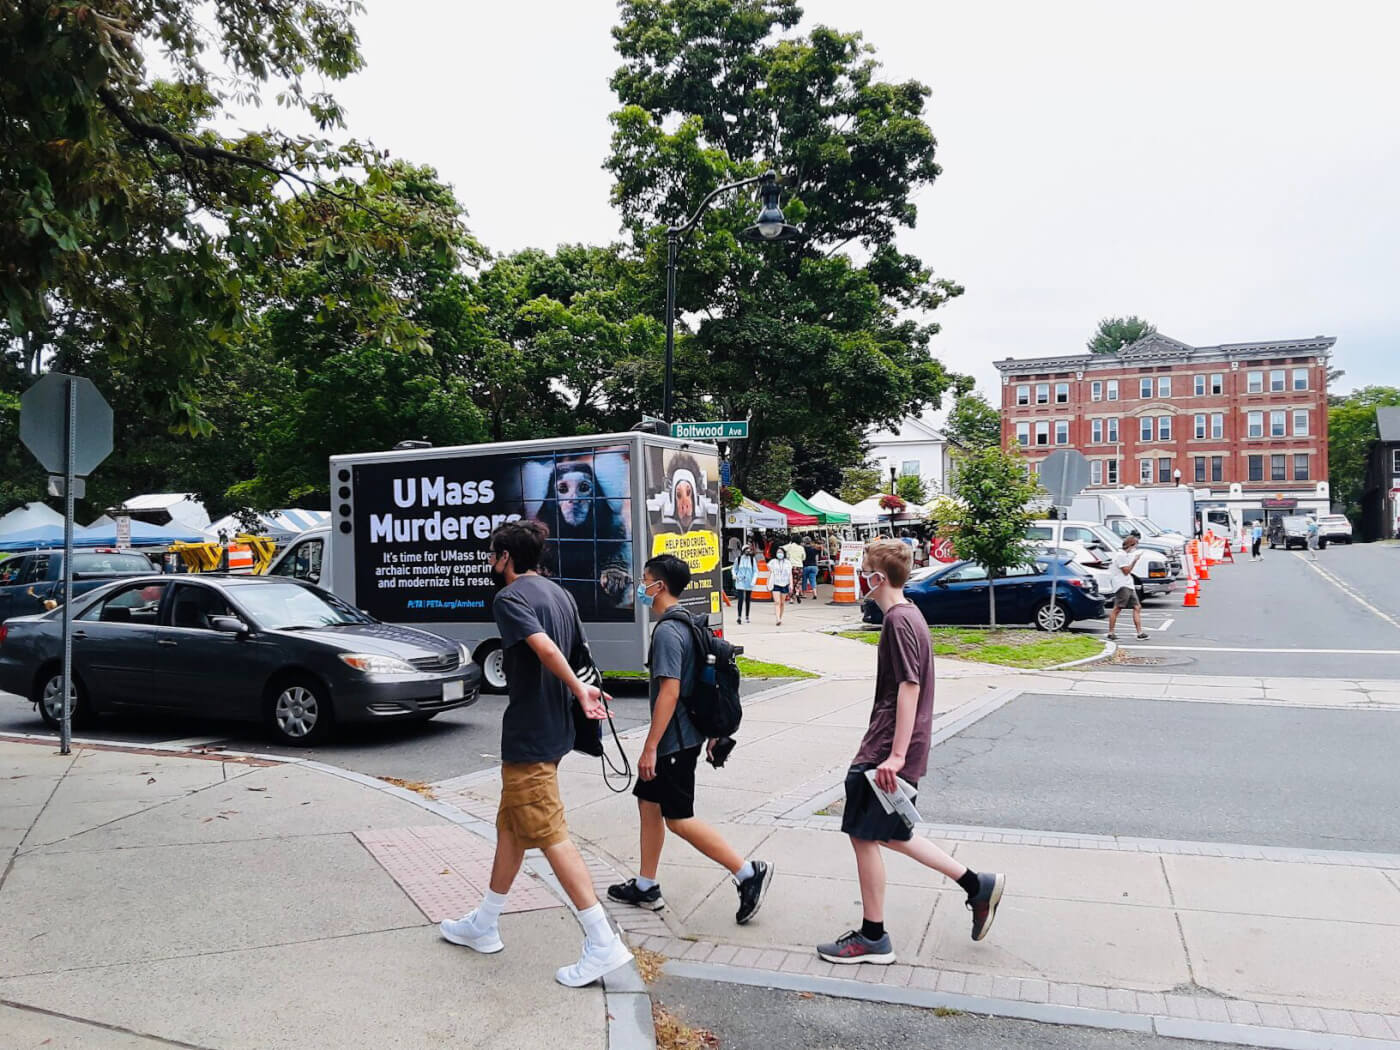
(825, 501)
(33, 538)
(792, 501)
(142, 535)
(280, 525)
(871, 507)
(795, 519)
(29, 516)
(750, 515)
(166, 508)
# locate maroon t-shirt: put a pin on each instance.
(905, 655)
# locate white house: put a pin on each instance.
(917, 447)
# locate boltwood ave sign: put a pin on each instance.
(718, 430)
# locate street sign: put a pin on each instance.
(942, 550)
(1064, 474)
(57, 486)
(726, 474)
(715, 430)
(123, 531)
(43, 414)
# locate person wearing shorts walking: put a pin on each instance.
(896, 744)
(780, 581)
(1124, 588)
(538, 623)
(665, 788)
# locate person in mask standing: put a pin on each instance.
(745, 573)
(780, 580)
(539, 625)
(665, 788)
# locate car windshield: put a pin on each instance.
(1146, 527)
(112, 563)
(1108, 536)
(289, 606)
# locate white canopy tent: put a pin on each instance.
(163, 508)
(823, 500)
(29, 516)
(750, 515)
(279, 524)
(870, 509)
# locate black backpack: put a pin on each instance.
(713, 704)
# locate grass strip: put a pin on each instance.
(1008, 647)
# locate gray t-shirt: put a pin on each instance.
(673, 656)
(539, 721)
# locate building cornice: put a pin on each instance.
(1159, 349)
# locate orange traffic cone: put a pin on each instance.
(1203, 569)
(1192, 597)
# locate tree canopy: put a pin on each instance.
(972, 423)
(1351, 427)
(988, 520)
(1114, 333)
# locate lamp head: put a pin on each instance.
(770, 224)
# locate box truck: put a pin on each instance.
(410, 528)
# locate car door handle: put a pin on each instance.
(170, 642)
(80, 634)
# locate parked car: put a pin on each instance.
(957, 594)
(1096, 545)
(1291, 531)
(1334, 528)
(251, 648)
(30, 582)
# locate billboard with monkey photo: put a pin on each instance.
(683, 518)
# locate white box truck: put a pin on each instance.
(409, 531)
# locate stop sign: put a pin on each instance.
(43, 423)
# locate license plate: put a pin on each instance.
(453, 690)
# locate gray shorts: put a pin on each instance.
(1126, 598)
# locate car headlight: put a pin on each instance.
(464, 655)
(372, 663)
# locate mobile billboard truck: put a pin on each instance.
(410, 533)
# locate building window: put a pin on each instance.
(1023, 395)
(1145, 388)
(1096, 431)
(1300, 379)
(1256, 425)
(1217, 383)
(1200, 427)
(1111, 472)
(1145, 428)
(1200, 386)
(1277, 383)
(1300, 422)
(1042, 432)
(1145, 472)
(1042, 393)
(1096, 390)
(1278, 424)
(1254, 382)
(1035, 469)
(1023, 434)
(1164, 386)
(1113, 431)
(1164, 470)
(1062, 432)
(1164, 428)
(1096, 472)
(1217, 425)
(1217, 468)
(1278, 468)
(1061, 393)
(1256, 468)
(909, 468)
(1113, 390)
(1395, 461)
(1200, 469)
(1300, 466)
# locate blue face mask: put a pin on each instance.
(644, 599)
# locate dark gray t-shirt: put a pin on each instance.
(539, 722)
(673, 656)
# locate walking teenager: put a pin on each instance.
(666, 770)
(1124, 588)
(1314, 538)
(810, 554)
(745, 573)
(1256, 535)
(897, 744)
(780, 580)
(538, 623)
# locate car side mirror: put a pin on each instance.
(940, 582)
(228, 625)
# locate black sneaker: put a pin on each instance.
(630, 893)
(852, 947)
(752, 891)
(983, 903)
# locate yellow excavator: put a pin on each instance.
(244, 554)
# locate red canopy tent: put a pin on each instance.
(794, 518)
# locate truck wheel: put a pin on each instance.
(48, 695)
(492, 659)
(1051, 617)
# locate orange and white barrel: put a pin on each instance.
(240, 558)
(845, 591)
(761, 593)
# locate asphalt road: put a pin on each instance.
(746, 1018)
(452, 744)
(1206, 772)
(1279, 617)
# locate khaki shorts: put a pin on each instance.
(1126, 598)
(531, 811)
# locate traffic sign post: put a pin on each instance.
(1063, 474)
(715, 430)
(67, 424)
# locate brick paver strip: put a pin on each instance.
(445, 870)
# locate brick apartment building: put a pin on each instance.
(1244, 424)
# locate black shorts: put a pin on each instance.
(863, 817)
(673, 787)
(776, 589)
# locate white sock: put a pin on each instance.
(488, 912)
(595, 926)
(746, 872)
(644, 883)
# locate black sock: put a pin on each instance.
(871, 931)
(970, 882)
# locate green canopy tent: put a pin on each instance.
(792, 501)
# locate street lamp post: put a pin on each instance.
(894, 491)
(769, 226)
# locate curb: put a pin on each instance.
(1110, 648)
(626, 1002)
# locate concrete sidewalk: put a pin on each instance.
(152, 900)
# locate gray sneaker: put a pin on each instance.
(851, 947)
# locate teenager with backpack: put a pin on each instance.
(688, 702)
(745, 573)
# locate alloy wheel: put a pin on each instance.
(296, 711)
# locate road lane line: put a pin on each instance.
(1234, 649)
(1347, 589)
(1165, 624)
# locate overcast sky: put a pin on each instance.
(1228, 170)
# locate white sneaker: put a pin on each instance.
(465, 931)
(594, 963)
